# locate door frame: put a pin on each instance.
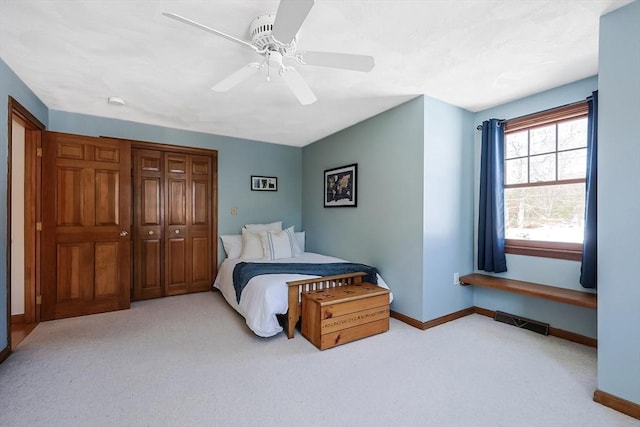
(33, 192)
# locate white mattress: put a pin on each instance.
(266, 295)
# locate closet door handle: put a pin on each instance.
(177, 231)
(124, 233)
(150, 232)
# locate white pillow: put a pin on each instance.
(259, 228)
(251, 246)
(300, 239)
(232, 244)
(276, 245)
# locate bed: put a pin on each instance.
(267, 297)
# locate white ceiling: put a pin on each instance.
(471, 53)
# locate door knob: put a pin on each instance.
(177, 231)
(150, 232)
(124, 233)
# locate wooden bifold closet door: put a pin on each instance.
(173, 223)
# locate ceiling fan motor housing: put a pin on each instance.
(260, 33)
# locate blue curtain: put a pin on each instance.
(491, 219)
(589, 267)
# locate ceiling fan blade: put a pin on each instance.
(209, 29)
(289, 18)
(239, 76)
(298, 86)
(346, 61)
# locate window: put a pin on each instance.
(544, 191)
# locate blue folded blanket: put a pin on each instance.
(245, 271)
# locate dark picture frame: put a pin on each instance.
(341, 187)
(264, 183)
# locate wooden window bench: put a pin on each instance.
(553, 293)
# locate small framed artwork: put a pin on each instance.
(341, 187)
(264, 183)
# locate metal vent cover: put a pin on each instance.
(522, 322)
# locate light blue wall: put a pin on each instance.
(238, 159)
(10, 85)
(414, 215)
(619, 204)
(448, 207)
(561, 273)
(385, 229)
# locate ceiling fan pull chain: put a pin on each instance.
(268, 71)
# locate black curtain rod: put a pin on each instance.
(479, 127)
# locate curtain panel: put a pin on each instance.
(491, 256)
(589, 267)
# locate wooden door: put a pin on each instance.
(187, 231)
(86, 247)
(148, 217)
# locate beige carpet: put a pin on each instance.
(191, 361)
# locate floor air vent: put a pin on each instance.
(521, 322)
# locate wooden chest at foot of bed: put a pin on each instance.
(335, 316)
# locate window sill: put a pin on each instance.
(566, 251)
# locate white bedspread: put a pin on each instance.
(266, 295)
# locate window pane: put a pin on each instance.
(516, 171)
(543, 139)
(516, 144)
(553, 213)
(572, 134)
(543, 168)
(572, 164)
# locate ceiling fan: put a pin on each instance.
(275, 38)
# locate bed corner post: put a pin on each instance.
(293, 313)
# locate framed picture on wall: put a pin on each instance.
(340, 187)
(264, 183)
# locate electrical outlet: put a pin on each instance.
(456, 278)
(234, 211)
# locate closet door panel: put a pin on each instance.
(151, 189)
(200, 203)
(150, 271)
(176, 201)
(174, 221)
(176, 266)
(200, 261)
(176, 224)
(148, 224)
(201, 268)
